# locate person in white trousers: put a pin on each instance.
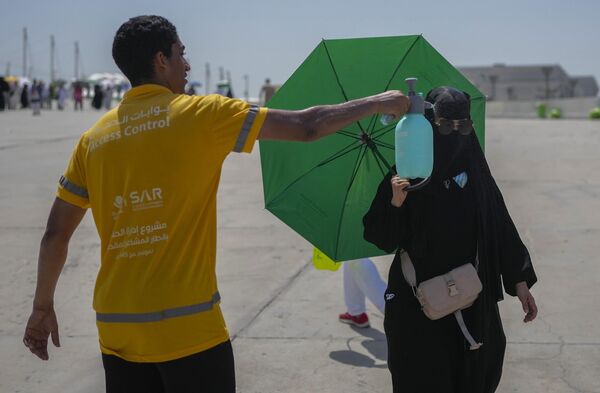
(361, 280)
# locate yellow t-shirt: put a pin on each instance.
(149, 169)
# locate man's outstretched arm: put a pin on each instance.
(316, 122)
(62, 222)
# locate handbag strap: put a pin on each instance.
(408, 269)
(463, 328)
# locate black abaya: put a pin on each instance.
(426, 355)
(442, 227)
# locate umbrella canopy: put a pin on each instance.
(22, 81)
(106, 78)
(97, 77)
(322, 189)
(106, 83)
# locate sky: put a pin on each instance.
(270, 38)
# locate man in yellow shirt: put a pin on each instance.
(149, 170)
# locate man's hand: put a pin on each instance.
(42, 323)
(527, 301)
(62, 222)
(392, 102)
(399, 190)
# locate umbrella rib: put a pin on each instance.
(380, 159)
(338, 154)
(371, 123)
(384, 144)
(380, 156)
(371, 132)
(348, 134)
(379, 164)
(354, 173)
(357, 165)
(337, 78)
(402, 61)
(382, 131)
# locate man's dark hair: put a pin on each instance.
(137, 41)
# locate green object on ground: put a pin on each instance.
(322, 189)
(555, 113)
(595, 113)
(541, 111)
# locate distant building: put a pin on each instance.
(500, 82)
(585, 86)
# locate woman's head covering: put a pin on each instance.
(451, 152)
(449, 103)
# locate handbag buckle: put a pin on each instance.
(452, 290)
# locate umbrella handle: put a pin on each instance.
(419, 185)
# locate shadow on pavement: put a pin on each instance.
(372, 351)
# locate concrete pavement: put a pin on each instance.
(282, 314)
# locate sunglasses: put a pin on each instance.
(446, 126)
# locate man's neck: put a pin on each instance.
(152, 81)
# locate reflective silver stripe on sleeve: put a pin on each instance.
(73, 188)
(160, 315)
(246, 127)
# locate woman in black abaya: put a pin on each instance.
(458, 217)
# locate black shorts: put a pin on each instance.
(210, 371)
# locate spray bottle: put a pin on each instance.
(414, 141)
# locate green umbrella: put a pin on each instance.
(322, 189)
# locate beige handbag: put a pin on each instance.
(445, 294)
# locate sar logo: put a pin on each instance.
(146, 199)
(119, 203)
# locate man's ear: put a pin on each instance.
(160, 61)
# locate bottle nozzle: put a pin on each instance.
(416, 100)
(411, 82)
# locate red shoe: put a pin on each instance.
(361, 321)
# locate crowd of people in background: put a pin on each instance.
(17, 94)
